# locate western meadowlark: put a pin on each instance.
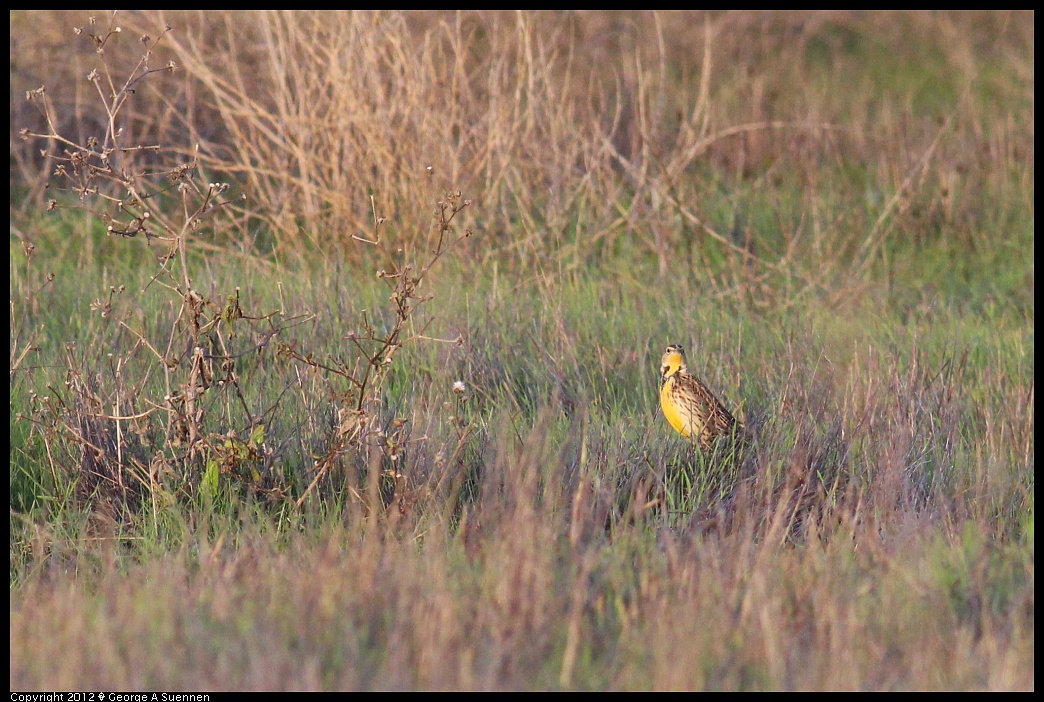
(689, 406)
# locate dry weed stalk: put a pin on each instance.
(135, 189)
(359, 420)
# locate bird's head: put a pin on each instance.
(673, 361)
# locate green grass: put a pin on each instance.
(916, 561)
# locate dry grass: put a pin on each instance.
(587, 133)
(533, 593)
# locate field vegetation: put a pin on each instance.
(334, 344)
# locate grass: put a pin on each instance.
(346, 610)
(920, 493)
(242, 460)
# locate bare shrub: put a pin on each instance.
(128, 439)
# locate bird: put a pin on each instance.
(688, 405)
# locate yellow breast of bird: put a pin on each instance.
(678, 414)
